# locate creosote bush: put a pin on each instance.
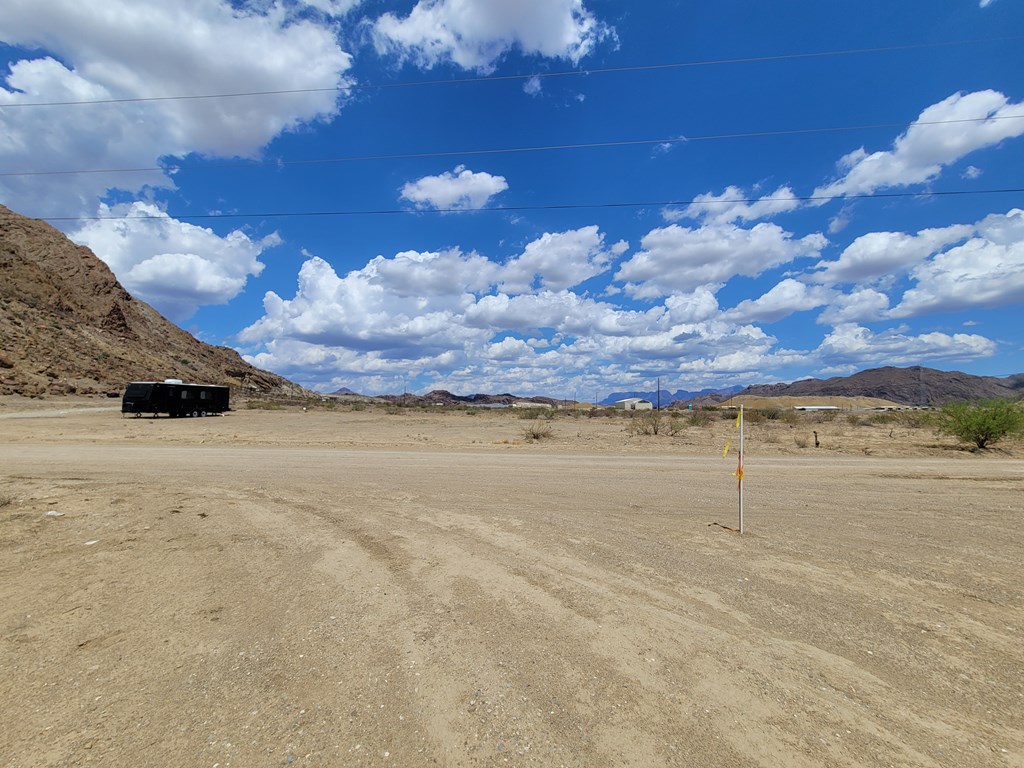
(647, 423)
(698, 418)
(982, 423)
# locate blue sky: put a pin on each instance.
(541, 196)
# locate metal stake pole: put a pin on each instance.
(740, 471)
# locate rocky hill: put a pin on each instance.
(67, 326)
(915, 386)
(444, 397)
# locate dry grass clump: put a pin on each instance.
(538, 430)
(6, 500)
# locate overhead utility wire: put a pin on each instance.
(547, 207)
(496, 78)
(508, 150)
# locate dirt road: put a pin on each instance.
(338, 589)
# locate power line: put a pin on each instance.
(543, 207)
(509, 150)
(540, 75)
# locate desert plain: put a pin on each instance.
(372, 586)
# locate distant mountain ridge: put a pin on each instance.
(68, 326)
(444, 397)
(913, 386)
(670, 397)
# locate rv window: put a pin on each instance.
(185, 394)
(139, 390)
(204, 395)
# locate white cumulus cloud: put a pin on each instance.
(856, 346)
(474, 34)
(984, 272)
(459, 189)
(784, 298)
(675, 258)
(559, 260)
(861, 305)
(121, 49)
(359, 312)
(884, 253)
(735, 205)
(174, 266)
(942, 134)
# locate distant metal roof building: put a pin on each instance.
(634, 404)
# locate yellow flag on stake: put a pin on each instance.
(725, 451)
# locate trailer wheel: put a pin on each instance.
(202, 413)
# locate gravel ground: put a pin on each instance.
(350, 588)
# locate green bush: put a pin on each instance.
(982, 423)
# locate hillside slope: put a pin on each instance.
(905, 386)
(67, 326)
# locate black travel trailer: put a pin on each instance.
(175, 398)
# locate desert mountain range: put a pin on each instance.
(68, 326)
(915, 386)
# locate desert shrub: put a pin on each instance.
(982, 423)
(727, 414)
(6, 500)
(854, 420)
(882, 418)
(754, 416)
(538, 430)
(790, 417)
(358, 406)
(913, 419)
(535, 413)
(698, 419)
(771, 414)
(800, 440)
(824, 417)
(647, 423)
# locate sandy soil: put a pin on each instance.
(340, 588)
